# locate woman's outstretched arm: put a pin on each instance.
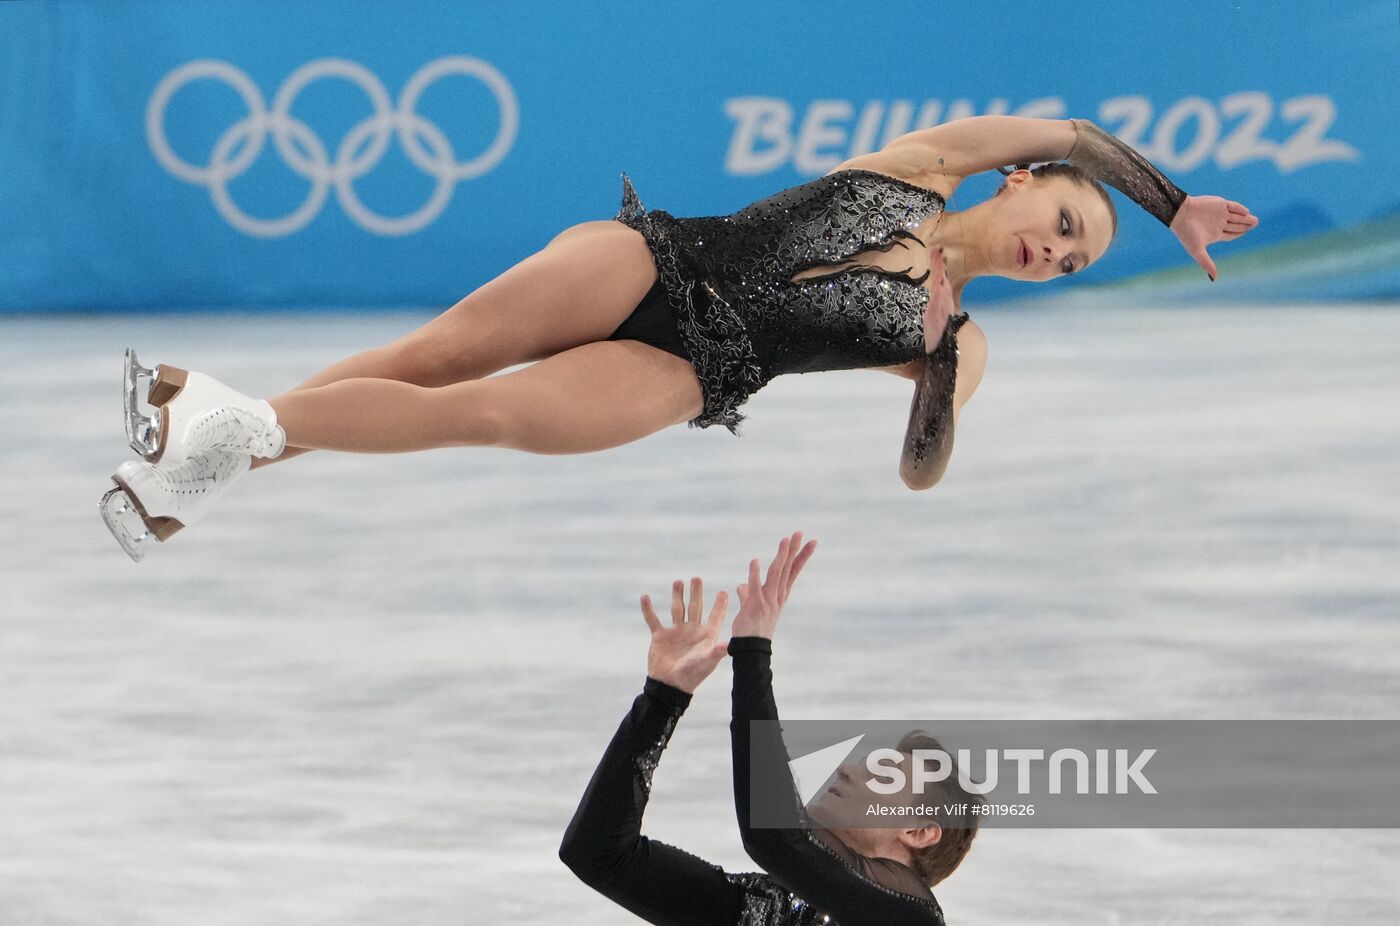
(970, 146)
(603, 844)
(963, 147)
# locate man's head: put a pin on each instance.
(932, 845)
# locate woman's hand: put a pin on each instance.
(684, 654)
(1204, 220)
(761, 605)
(941, 305)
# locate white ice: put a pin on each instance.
(370, 689)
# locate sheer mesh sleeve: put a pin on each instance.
(1111, 161)
(928, 441)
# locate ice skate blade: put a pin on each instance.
(133, 529)
(142, 430)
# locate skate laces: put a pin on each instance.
(238, 430)
(201, 474)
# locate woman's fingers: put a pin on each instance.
(1206, 263)
(649, 615)
(1204, 220)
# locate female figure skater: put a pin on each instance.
(640, 323)
(815, 875)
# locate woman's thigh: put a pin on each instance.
(588, 398)
(576, 291)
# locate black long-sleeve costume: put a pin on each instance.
(814, 877)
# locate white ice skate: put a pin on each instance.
(153, 502)
(190, 412)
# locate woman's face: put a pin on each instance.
(1047, 228)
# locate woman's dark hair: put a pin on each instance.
(1069, 172)
(936, 862)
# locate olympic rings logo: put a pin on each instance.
(309, 158)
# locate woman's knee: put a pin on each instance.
(473, 415)
(502, 414)
(429, 360)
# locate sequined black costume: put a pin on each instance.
(739, 317)
(814, 878)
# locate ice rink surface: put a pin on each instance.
(370, 690)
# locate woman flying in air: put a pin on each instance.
(640, 323)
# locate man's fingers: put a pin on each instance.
(754, 587)
(712, 658)
(775, 568)
(718, 611)
(648, 615)
(794, 545)
(697, 599)
(677, 602)
(801, 561)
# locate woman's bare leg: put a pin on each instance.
(577, 290)
(588, 398)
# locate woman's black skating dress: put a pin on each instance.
(729, 294)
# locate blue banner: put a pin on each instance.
(165, 154)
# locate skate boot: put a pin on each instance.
(153, 502)
(192, 412)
